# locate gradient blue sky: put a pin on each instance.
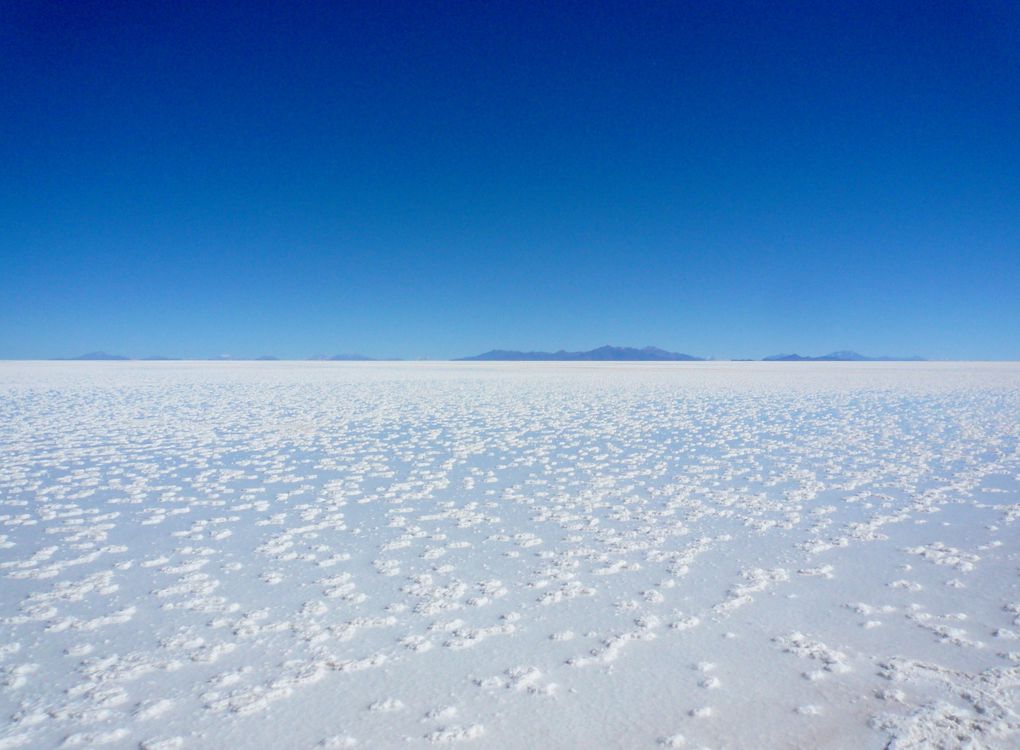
(437, 179)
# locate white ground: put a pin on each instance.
(732, 555)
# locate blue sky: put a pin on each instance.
(437, 179)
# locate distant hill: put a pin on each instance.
(341, 358)
(602, 354)
(100, 357)
(842, 356)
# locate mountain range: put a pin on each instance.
(101, 357)
(841, 356)
(602, 354)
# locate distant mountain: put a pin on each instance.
(267, 358)
(841, 356)
(786, 358)
(602, 354)
(341, 358)
(158, 358)
(100, 357)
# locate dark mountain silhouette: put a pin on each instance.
(602, 354)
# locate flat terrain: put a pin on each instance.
(509, 555)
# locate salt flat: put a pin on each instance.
(299, 555)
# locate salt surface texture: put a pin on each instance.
(285, 555)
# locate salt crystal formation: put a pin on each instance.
(507, 555)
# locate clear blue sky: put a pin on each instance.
(437, 179)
